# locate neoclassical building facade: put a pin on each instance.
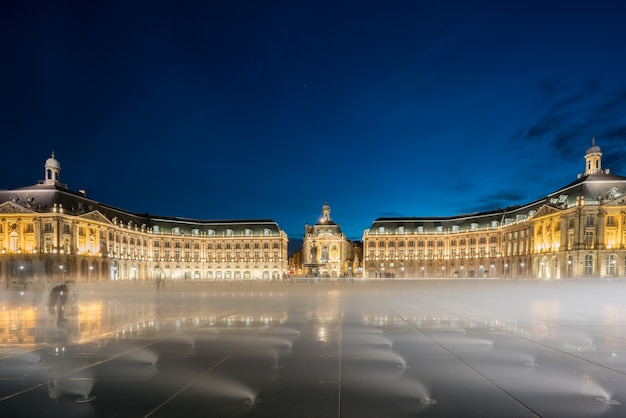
(50, 233)
(327, 252)
(576, 231)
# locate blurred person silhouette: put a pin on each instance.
(59, 296)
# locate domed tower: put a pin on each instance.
(52, 173)
(593, 159)
(326, 213)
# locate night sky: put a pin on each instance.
(267, 109)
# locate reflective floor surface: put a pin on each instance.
(439, 348)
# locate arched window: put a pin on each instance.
(610, 264)
(588, 264)
(570, 265)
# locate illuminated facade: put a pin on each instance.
(50, 233)
(326, 252)
(577, 231)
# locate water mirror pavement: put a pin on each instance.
(432, 348)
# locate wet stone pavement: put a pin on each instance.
(432, 348)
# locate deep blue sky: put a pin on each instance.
(267, 109)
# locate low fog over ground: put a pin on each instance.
(483, 348)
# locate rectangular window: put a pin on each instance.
(610, 265)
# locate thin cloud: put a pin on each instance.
(498, 200)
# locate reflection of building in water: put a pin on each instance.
(577, 231)
(50, 233)
(326, 252)
(24, 324)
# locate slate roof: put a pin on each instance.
(596, 188)
(43, 197)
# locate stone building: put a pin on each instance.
(50, 233)
(327, 252)
(576, 231)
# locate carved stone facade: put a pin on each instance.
(50, 233)
(326, 252)
(577, 231)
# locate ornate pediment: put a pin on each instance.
(546, 210)
(10, 207)
(95, 216)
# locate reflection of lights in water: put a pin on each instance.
(322, 334)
